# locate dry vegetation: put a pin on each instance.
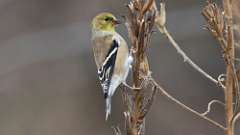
(222, 21)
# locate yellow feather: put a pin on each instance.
(100, 22)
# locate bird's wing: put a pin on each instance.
(105, 71)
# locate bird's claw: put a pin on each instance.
(130, 87)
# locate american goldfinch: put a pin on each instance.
(111, 55)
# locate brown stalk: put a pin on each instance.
(227, 4)
(139, 22)
(236, 14)
(220, 24)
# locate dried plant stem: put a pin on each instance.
(210, 105)
(160, 22)
(229, 95)
(227, 4)
(237, 117)
(139, 23)
(186, 58)
(165, 93)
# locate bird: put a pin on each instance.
(111, 54)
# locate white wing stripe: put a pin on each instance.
(109, 56)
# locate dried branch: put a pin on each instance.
(128, 124)
(220, 24)
(217, 25)
(221, 80)
(215, 22)
(210, 104)
(234, 122)
(139, 22)
(165, 93)
(161, 16)
(149, 102)
(160, 22)
(227, 4)
(147, 6)
(187, 59)
(236, 14)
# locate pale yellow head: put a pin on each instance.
(105, 22)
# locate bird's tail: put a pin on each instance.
(108, 107)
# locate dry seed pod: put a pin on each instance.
(213, 15)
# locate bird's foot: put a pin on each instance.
(132, 87)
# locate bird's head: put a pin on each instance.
(105, 22)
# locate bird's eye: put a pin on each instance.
(108, 19)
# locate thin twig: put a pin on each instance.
(221, 80)
(149, 102)
(147, 6)
(210, 105)
(165, 93)
(187, 59)
(237, 91)
(160, 23)
(235, 119)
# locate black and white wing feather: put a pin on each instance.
(106, 70)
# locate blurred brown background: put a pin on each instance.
(48, 81)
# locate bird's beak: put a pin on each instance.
(116, 22)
